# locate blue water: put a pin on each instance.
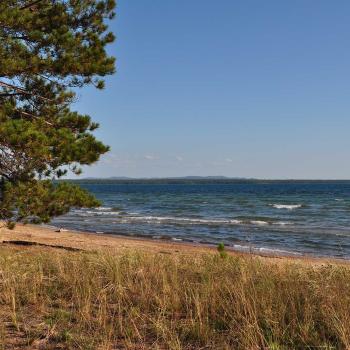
(283, 217)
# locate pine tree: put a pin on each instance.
(48, 49)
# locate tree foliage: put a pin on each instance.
(48, 49)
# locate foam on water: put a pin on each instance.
(277, 251)
(173, 219)
(287, 206)
(199, 221)
(283, 223)
(264, 250)
(99, 213)
(259, 222)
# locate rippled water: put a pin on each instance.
(287, 217)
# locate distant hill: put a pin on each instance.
(201, 177)
(193, 180)
(159, 178)
(108, 178)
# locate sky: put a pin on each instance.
(236, 88)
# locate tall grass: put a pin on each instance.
(67, 300)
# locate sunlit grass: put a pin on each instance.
(74, 300)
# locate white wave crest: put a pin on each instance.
(191, 221)
(98, 213)
(283, 223)
(277, 251)
(264, 250)
(162, 219)
(286, 206)
(259, 222)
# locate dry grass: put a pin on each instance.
(52, 299)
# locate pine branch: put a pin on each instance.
(10, 94)
(13, 87)
(28, 6)
(33, 116)
(22, 91)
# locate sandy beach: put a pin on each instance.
(24, 235)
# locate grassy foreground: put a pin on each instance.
(52, 299)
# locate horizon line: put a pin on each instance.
(212, 177)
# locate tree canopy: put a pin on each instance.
(48, 49)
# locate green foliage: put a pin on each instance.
(48, 48)
(221, 249)
(38, 201)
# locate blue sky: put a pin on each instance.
(236, 88)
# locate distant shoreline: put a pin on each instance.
(204, 180)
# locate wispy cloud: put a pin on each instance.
(150, 157)
(115, 161)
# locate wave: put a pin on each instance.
(277, 251)
(100, 213)
(286, 206)
(199, 221)
(259, 222)
(122, 217)
(264, 250)
(174, 219)
(95, 212)
(284, 223)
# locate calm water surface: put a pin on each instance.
(283, 217)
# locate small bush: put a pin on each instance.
(221, 249)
